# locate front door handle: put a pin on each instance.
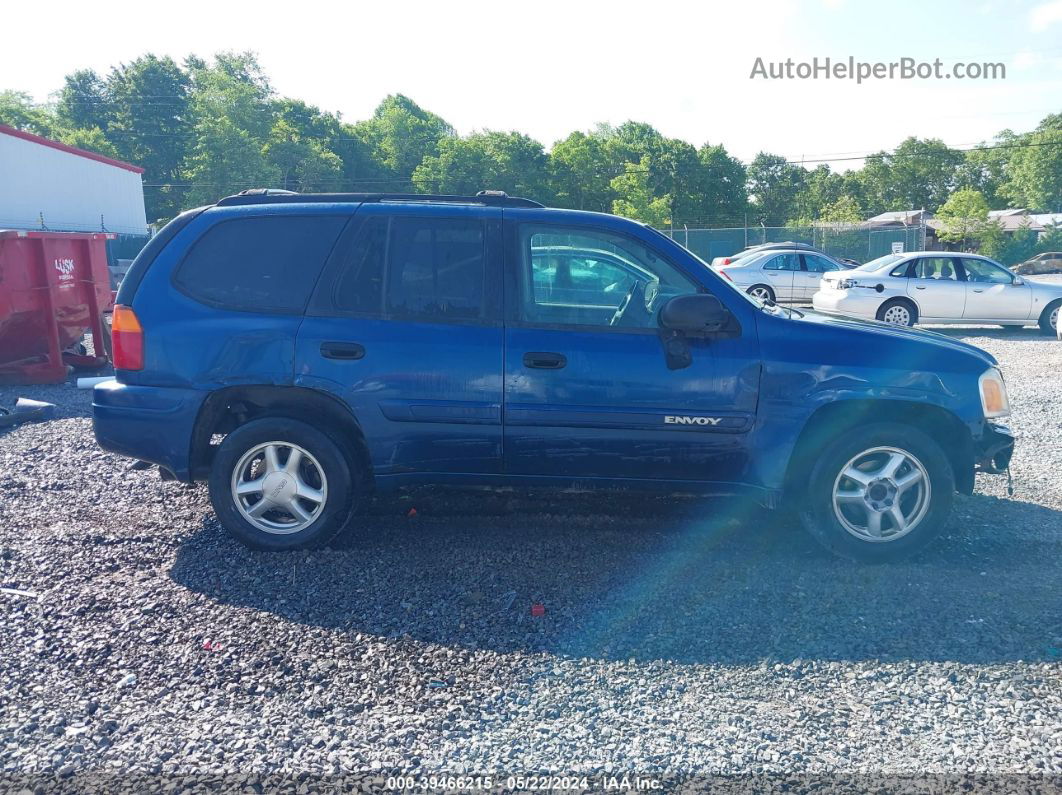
(979, 290)
(545, 361)
(919, 288)
(342, 350)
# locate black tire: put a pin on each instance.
(344, 483)
(820, 516)
(910, 307)
(770, 292)
(1045, 318)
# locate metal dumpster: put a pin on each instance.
(54, 287)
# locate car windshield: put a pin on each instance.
(881, 262)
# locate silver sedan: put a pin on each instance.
(780, 275)
(940, 287)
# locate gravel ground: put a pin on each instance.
(679, 639)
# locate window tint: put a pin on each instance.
(360, 287)
(436, 268)
(939, 268)
(783, 262)
(979, 270)
(578, 277)
(260, 264)
(817, 264)
(906, 270)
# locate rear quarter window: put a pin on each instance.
(263, 264)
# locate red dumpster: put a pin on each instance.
(54, 286)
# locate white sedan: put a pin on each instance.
(940, 287)
(779, 275)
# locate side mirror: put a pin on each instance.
(1018, 281)
(698, 314)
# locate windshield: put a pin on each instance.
(881, 262)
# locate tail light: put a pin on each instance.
(727, 260)
(127, 339)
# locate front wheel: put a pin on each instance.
(279, 484)
(879, 493)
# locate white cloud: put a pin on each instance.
(1045, 15)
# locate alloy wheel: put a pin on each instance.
(279, 487)
(881, 494)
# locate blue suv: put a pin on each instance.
(299, 352)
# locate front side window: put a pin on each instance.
(268, 263)
(783, 262)
(983, 271)
(578, 277)
(938, 268)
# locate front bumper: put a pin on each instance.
(993, 451)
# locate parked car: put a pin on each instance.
(301, 352)
(940, 287)
(1048, 262)
(780, 275)
(733, 258)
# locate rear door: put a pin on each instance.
(814, 266)
(779, 272)
(991, 293)
(937, 288)
(588, 390)
(404, 327)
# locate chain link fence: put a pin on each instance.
(852, 241)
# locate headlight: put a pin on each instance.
(994, 398)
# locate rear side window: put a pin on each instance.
(436, 268)
(259, 264)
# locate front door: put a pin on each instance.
(404, 327)
(780, 272)
(936, 288)
(588, 390)
(993, 294)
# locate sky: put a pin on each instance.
(547, 68)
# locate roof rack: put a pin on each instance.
(490, 198)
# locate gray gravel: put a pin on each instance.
(680, 638)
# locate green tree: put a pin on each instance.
(18, 110)
(91, 139)
(226, 160)
(844, 210)
(510, 161)
(303, 162)
(84, 101)
(919, 173)
(401, 134)
(774, 185)
(965, 218)
(636, 199)
(1034, 171)
(580, 172)
(724, 197)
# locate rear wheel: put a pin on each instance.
(278, 483)
(1049, 318)
(761, 291)
(898, 312)
(879, 493)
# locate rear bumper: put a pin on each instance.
(994, 449)
(150, 423)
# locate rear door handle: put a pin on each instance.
(978, 290)
(545, 361)
(342, 350)
(919, 288)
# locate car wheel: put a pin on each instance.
(898, 312)
(879, 493)
(1049, 318)
(278, 484)
(761, 291)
